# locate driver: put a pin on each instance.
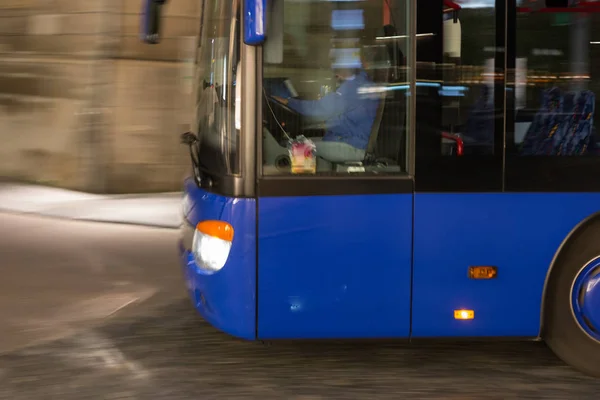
(349, 115)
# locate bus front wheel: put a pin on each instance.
(572, 307)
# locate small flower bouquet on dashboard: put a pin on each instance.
(303, 155)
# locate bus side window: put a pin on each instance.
(555, 95)
(466, 96)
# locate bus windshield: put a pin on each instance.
(341, 81)
(216, 67)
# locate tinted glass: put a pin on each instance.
(556, 80)
(469, 73)
(460, 96)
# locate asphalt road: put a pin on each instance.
(97, 311)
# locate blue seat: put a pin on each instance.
(547, 122)
(479, 129)
(564, 125)
(579, 127)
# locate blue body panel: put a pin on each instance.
(334, 266)
(227, 298)
(255, 20)
(517, 232)
(341, 266)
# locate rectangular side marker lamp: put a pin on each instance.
(483, 272)
(464, 314)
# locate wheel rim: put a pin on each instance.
(585, 299)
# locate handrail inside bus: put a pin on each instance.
(460, 144)
(452, 5)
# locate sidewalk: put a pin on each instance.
(158, 210)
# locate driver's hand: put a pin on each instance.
(280, 100)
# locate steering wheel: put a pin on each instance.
(280, 108)
(278, 116)
(272, 99)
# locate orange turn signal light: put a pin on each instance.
(464, 314)
(219, 229)
(483, 272)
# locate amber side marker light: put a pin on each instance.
(464, 314)
(483, 272)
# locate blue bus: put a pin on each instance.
(396, 169)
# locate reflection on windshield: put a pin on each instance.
(218, 105)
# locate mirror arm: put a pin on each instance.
(190, 139)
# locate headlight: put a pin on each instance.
(211, 245)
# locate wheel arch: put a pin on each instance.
(570, 238)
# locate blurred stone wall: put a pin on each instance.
(84, 104)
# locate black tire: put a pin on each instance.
(562, 332)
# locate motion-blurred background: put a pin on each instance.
(84, 104)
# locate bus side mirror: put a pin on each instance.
(262, 18)
(151, 17)
(255, 22)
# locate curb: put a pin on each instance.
(92, 220)
(62, 204)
